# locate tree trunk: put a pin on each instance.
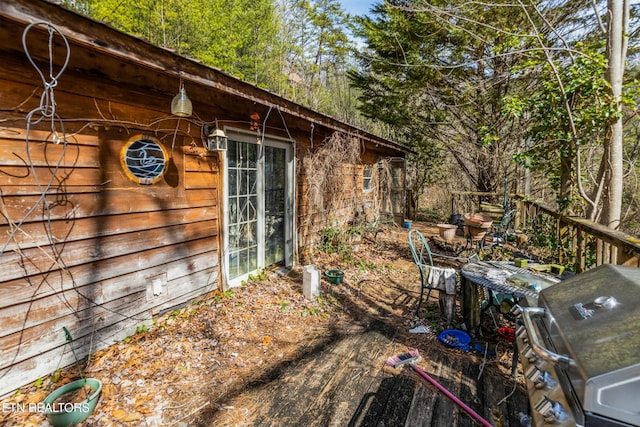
(566, 184)
(616, 54)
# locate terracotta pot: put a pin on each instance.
(479, 220)
(476, 233)
(447, 231)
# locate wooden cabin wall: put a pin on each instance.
(82, 244)
(340, 207)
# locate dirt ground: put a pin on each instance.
(200, 357)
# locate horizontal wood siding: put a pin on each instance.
(84, 244)
(339, 208)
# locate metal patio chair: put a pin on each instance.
(501, 231)
(423, 257)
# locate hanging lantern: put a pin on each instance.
(181, 104)
(217, 140)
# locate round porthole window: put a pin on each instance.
(144, 159)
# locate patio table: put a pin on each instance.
(493, 276)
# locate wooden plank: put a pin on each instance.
(20, 134)
(496, 389)
(200, 180)
(350, 384)
(628, 259)
(599, 252)
(442, 369)
(200, 169)
(52, 191)
(73, 205)
(21, 290)
(197, 159)
(44, 364)
(562, 233)
(20, 154)
(606, 253)
(581, 250)
(40, 260)
(34, 234)
(470, 392)
(326, 387)
(46, 178)
(422, 408)
(93, 329)
(83, 317)
(281, 405)
(399, 403)
(80, 320)
(17, 315)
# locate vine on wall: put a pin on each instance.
(331, 175)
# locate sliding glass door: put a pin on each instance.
(259, 200)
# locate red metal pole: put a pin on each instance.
(451, 396)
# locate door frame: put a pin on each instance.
(288, 145)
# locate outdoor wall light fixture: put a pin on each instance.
(181, 104)
(216, 138)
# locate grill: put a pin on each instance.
(580, 349)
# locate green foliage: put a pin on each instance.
(542, 235)
(332, 241)
(570, 109)
(440, 77)
(299, 49)
(236, 36)
(363, 265)
(285, 307)
(55, 377)
(258, 276)
(219, 297)
(311, 312)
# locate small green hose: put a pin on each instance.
(69, 340)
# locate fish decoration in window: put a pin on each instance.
(144, 159)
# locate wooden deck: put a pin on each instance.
(344, 382)
(340, 379)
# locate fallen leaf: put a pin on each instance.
(109, 390)
(125, 416)
(36, 397)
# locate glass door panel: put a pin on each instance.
(275, 172)
(242, 199)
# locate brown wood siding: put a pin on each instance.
(88, 260)
(348, 203)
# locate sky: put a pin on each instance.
(357, 7)
(361, 7)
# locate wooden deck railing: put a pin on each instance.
(579, 243)
(582, 243)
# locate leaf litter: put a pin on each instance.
(202, 355)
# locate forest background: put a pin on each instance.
(514, 96)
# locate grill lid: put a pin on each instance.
(596, 316)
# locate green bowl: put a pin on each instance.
(334, 276)
(64, 415)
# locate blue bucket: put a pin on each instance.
(455, 338)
